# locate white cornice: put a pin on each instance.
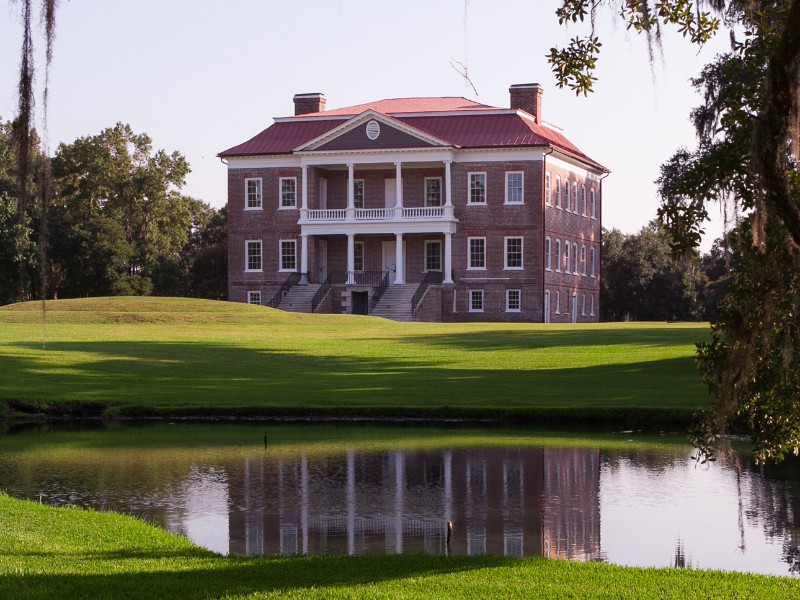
(567, 161)
(400, 115)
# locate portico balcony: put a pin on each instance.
(361, 215)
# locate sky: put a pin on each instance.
(200, 76)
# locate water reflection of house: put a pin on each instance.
(511, 502)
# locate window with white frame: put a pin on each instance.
(575, 198)
(476, 258)
(433, 255)
(558, 191)
(433, 191)
(514, 187)
(358, 193)
(591, 260)
(513, 253)
(583, 260)
(254, 297)
(513, 301)
(252, 252)
(593, 207)
(547, 199)
(288, 255)
(547, 258)
(477, 188)
(583, 305)
(252, 194)
(358, 256)
(476, 301)
(547, 306)
(566, 257)
(558, 302)
(288, 187)
(591, 300)
(558, 255)
(583, 200)
(567, 195)
(575, 258)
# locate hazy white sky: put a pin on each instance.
(200, 76)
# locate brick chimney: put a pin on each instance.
(309, 103)
(527, 97)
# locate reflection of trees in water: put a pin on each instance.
(774, 503)
(645, 461)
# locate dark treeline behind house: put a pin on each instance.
(117, 223)
(642, 280)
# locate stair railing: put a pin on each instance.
(378, 293)
(291, 281)
(431, 278)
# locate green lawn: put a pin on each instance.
(177, 356)
(71, 553)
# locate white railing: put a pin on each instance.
(425, 212)
(374, 214)
(335, 214)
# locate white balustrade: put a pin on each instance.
(425, 212)
(374, 214)
(334, 214)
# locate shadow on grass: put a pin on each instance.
(208, 378)
(218, 577)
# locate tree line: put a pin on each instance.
(116, 222)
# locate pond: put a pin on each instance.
(253, 489)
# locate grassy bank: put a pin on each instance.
(72, 553)
(190, 357)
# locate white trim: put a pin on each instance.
(519, 301)
(574, 258)
(467, 155)
(591, 312)
(425, 191)
(583, 305)
(280, 255)
(558, 302)
(363, 257)
(548, 253)
(260, 181)
(558, 255)
(594, 205)
(264, 161)
(280, 193)
(451, 113)
(567, 190)
(375, 156)
(522, 190)
(521, 252)
(559, 158)
(559, 203)
(260, 256)
(469, 254)
(485, 188)
(250, 294)
(546, 307)
(584, 207)
(575, 206)
(584, 258)
(483, 302)
(363, 192)
(425, 256)
(548, 189)
(567, 256)
(592, 260)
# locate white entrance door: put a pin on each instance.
(323, 194)
(547, 306)
(574, 308)
(389, 262)
(390, 193)
(323, 260)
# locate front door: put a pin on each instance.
(390, 193)
(323, 260)
(389, 262)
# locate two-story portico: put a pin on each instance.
(427, 208)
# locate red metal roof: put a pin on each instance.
(469, 130)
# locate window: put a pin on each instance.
(513, 253)
(514, 187)
(547, 263)
(254, 297)
(253, 194)
(575, 198)
(477, 188)
(547, 306)
(583, 305)
(358, 193)
(558, 192)
(477, 253)
(358, 256)
(433, 191)
(566, 194)
(583, 260)
(558, 302)
(566, 256)
(288, 186)
(513, 303)
(591, 304)
(594, 212)
(558, 256)
(476, 301)
(583, 200)
(547, 199)
(575, 258)
(288, 255)
(252, 252)
(433, 256)
(591, 260)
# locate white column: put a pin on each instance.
(448, 193)
(304, 205)
(304, 256)
(398, 183)
(351, 202)
(399, 276)
(448, 258)
(351, 258)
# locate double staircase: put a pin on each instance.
(298, 298)
(395, 304)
